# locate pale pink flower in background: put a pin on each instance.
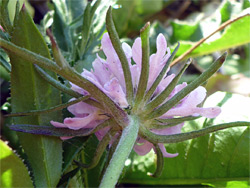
(107, 75)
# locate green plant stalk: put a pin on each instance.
(110, 154)
(123, 59)
(160, 76)
(184, 92)
(154, 138)
(71, 75)
(143, 82)
(125, 146)
(166, 92)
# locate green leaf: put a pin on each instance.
(192, 30)
(12, 170)
(221, 156)
(30, 92)
(71, 148)
(130, 16)
(235, 35)
(60, 29)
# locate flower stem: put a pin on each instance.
(125, 145)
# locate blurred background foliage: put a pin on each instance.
(78, 26)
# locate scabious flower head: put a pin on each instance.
(107, 75)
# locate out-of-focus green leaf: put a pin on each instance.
(97, 29)
(61, 30)
(188, 32)
(218, 157)
(30, 92)
(92, 177)
(71, 148)
(235, 35)
(13, 172)
(136, 12)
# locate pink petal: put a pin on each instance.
(137, 53)
(135, 72)
(169, 131)
(156, 60)
(79, 123)
(142, 147)
(211, 112)
(81, 109)
(165, 153)
(78, 89)
(101, 71)
(112, 59)
(165, 82)
(127, 50)
(58, 125)
(116, 93)
(66, 137)
(101, 133)
(108, 49)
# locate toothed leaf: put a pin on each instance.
(13, 172)
(30, 92)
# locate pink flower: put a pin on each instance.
(107, 75)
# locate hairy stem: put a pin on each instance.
(125, 145)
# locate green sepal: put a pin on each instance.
(185, 91)
(143, 82)
(166, 92)
(57, 132)
(160, 162)
(175, 138)
(161, 75)
(121, 54)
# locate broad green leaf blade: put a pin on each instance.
(197, 27)
(13, 172)
(30, 92)
(235, 35)
(221, 156)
